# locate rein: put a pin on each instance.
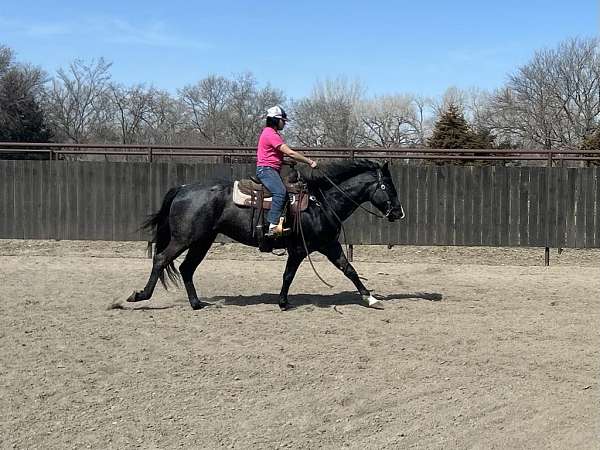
(380, 186)
(308, 256)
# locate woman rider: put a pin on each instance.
(269, 156)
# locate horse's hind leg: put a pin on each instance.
(159, 264)
(194, 257)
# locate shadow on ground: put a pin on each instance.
(320, 300)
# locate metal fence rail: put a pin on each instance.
(151, 152)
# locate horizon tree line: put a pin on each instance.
(552, 101)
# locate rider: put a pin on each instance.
(269, 156)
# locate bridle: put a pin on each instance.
(380, 186)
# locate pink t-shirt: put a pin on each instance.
(268, 153)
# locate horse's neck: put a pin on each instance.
(344, 171)
(356, 190)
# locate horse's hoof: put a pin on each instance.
(286, 306)
(372, 302)
(132, 298)
(197, 304)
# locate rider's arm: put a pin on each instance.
(297, 155)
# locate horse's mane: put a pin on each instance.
(338, 171)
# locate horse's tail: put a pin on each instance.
(159, 223)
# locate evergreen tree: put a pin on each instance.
(21, 118)
(451, 131)
(483, 138)
(592, 143)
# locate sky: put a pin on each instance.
(390, 47)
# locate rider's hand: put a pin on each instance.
(313, 164)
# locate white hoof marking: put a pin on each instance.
(371, 300)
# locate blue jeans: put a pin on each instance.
(272, 181)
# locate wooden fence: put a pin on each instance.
(445, 205)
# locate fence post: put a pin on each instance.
(547, 233)
(149, 193)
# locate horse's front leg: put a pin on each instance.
(293, 262)
(335, 254)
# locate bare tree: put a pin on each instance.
(473, 103)
(393, 121)
(576, 89)
(452, 97)
(76, 99)
(554, 100)
(165, 122)
(132, 106)
(246, 108)
(206, 103)
(6, 58)
(329, 117)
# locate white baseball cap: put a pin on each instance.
(277, 112)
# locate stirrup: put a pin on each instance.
(278, 229)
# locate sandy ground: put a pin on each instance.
(509, 358)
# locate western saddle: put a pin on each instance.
(251, 192)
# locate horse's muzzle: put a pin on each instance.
(396, 214)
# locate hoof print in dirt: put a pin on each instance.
(116, 304)
(434, 297)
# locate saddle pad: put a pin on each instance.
(242, 199)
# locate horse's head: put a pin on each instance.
(384, 195)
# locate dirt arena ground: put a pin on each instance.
(509, 358)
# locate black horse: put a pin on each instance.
(192, 215)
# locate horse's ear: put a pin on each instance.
(385, 165)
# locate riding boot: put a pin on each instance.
(278, 230)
